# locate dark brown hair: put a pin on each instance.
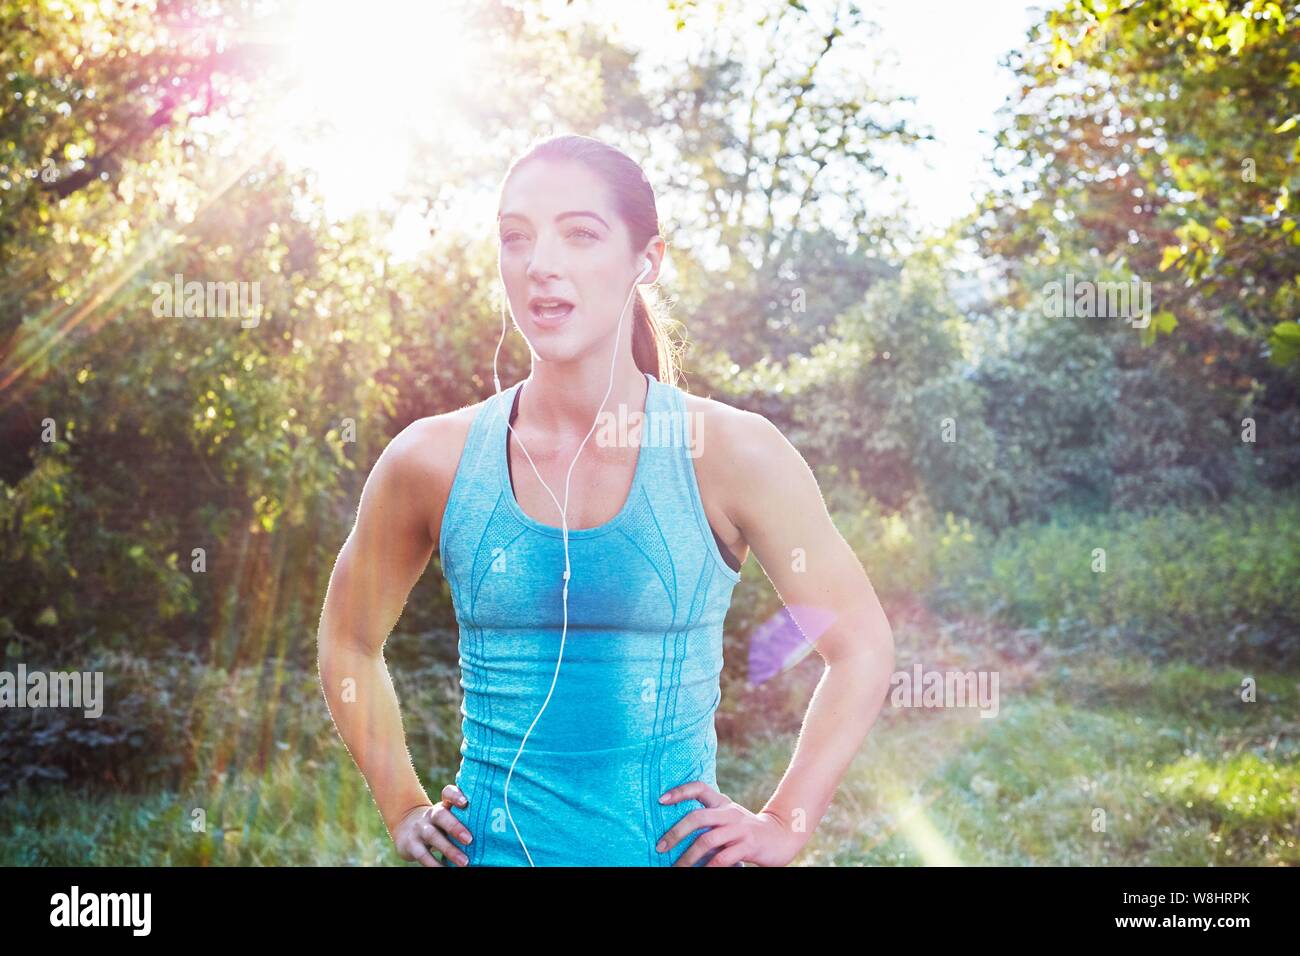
(653, 350)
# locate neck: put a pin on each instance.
(562, 398)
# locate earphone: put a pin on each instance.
(564, 519)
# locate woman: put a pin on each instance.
(588, 734)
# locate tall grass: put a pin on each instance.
(1214, 584)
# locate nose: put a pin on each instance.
(539, 275)
(541, 265)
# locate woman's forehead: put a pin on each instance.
(541, 190)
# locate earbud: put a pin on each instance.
(645, 271)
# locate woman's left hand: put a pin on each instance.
(736, 833)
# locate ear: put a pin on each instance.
(656, 249)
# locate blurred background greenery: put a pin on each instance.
(348, 166)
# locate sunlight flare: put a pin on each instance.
(369, 81)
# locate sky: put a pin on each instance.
(945, 54)
(950, 64)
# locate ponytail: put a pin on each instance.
(653, 349)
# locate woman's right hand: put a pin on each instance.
(434, 827)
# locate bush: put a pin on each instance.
(1213, 584)
(174, 719)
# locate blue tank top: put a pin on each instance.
(632, 712)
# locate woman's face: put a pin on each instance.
(559, 237)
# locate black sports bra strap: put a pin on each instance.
(732, 561)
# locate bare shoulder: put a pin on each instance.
(737, 448)
(734, 438)
(434, 442)
(424, 457)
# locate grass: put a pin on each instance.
(1114, 763)
(289, 816)
(1110, 746)
(1080, 774)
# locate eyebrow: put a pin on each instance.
(501, 217)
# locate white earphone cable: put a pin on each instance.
(564, 521)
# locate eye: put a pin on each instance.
(584, 232)
(509, 237)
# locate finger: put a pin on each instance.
(729, 856)
(435, 838)
(453, 795)
(446, 821)
(697, 790)
(425, 858)
(715, 841)
(717, 837)
(689, 824)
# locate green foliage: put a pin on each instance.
(1186, 775)
(176, 720)
(68, 573)
(1179, 154)
(1211, 584)
(1243, 791)
(1153, 140)
(852, 405)
(972, 453)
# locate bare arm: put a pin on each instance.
(826, 589)
(772, 496)
(384, 555)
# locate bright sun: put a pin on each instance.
(370, 77)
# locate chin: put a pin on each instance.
(556, 353)
(564, 346)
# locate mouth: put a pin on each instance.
(549, 310)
